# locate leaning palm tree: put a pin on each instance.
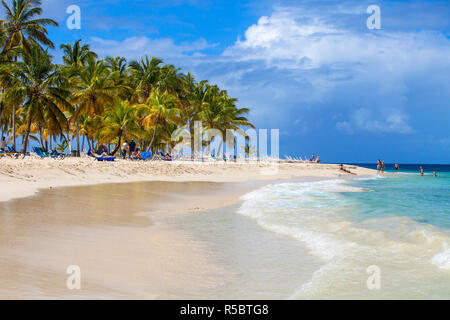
(41, 85)
(21, 26)
(120, 118)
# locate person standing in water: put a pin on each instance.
(396, 167)
(421, 171)
(382, 167)
(378, 166)
(434, 173)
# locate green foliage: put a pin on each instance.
(103, 101)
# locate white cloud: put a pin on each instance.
(311, 64)
(368, 120)
(291, 34)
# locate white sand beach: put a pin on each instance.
(24, 177)
(115, 221)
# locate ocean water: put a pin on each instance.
(398, 223)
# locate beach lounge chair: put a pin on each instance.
(41, 153)
(163, 157)
(107, 159)
(223, 159)
(9, 152)
(146, 155)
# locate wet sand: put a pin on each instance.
(124, 237)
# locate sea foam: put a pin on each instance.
(320, 215)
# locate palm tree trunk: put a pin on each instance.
(89, 144)
(41, 138)
(192, 132)
(78, 139)
(154, 132)
(25, 138)
(118, 144)
(1, 113)
(14, 127)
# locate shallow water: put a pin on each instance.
(128, 246)
(399, 224)
(296, 240)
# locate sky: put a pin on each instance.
(310, 68)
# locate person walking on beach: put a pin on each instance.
(132, 147)
(421, 171)
(313, 158)
(378, 166)
(382, 167)
(3, 144)
(396, 167)
(124, 150)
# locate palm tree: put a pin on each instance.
(22, 31)
(93, 88)
(160, 106)
(41, 85)
(120, 118)
(74, 59)
(88, 127)
(75, 55)
(219, 111)
(121, 76)
(146, 73)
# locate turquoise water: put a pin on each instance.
(423, 199)
(399, 223)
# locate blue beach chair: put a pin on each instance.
(107, 159)
(41, 153)
(146, 155)
(163, 156)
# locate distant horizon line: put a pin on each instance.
(393, 163)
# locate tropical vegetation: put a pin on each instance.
(87, 101)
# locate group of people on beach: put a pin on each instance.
(130, 149)
(380, 167)
(314, 159)
(422, 172)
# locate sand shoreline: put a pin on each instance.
(125, 251)
(25, 177)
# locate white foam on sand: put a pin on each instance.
(317, 213)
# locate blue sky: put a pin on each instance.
(308, 67)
